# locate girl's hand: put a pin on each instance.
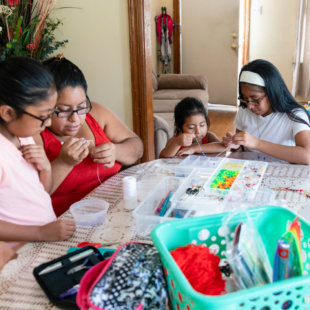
(246, 139)
(57, 231)
(186, 151)
(35, 154)
(228, 141)
(104, 153)
(185, 139)
(73, 151)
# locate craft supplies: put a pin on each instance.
(130, 193)
(287, 260)
(72, 291)
(200, 147)
(201, 268)
(89, 212)
(186, 166)
(191, 192)
(162, 202)
(96, 245)
(246, 254)
(72, 260)
(292, 190)
(165, 206)
(224, 179)
(80, 267)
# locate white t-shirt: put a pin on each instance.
(275, 128)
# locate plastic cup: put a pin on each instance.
(89, 212)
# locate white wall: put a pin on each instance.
(273, 34)
(98, 35)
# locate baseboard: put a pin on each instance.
(213, 106)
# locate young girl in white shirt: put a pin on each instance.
(269, 120)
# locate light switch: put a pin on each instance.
(257, 9)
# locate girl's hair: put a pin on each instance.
(66, 73)
(24, 82)
(187, 107)
(279, 96)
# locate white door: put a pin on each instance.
(207, 37)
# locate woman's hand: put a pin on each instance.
(73, 151)
(57, 231)
(104, 153)
(228, 141)
(35, 154)
(185, 139)
(245, 139)
(186, 151)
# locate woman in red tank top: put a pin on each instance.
(86, 143)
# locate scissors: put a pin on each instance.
(96, 245)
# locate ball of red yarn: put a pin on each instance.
(201, 268)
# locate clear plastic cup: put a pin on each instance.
(89, 212)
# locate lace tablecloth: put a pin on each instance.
(18, 288)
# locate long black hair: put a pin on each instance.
(187, 107)
(279, 96)
(24, 82)
(66, 73)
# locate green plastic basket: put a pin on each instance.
(271, 222)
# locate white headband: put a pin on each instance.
(252, 78)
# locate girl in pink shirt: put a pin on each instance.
(27, 102)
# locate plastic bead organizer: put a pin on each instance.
(186, 166)
(231, 180)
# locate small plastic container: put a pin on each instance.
(89, 212)
(186, 166)
(143, 188)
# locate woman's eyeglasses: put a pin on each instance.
(80, 111)
(255, 103)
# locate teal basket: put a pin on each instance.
(271, 222)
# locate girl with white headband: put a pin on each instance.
(270, 120)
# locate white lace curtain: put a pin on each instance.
(301, 68)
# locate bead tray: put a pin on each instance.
(212, 200)
(186, 166)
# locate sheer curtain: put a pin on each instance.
(301, 68)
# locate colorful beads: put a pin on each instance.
(224, 179)
(231, 165)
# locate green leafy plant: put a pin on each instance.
(26, 29)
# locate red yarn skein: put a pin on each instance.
(201, 268)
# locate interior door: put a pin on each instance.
(210, 30)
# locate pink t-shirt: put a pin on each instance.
(23, 199)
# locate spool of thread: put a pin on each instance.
(130, 192)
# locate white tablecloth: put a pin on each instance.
(18, 288)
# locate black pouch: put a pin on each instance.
(56, 282)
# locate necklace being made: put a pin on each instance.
(260, 134)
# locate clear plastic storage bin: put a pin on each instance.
(185, 167)
(144, 214)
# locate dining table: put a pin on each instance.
(18, 287)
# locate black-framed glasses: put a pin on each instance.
(255, 103)
(80, 111)
(43, 120)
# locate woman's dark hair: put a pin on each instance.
(24, 82)
(279, 96)
(65, 73)
(187, 107)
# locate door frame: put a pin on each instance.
(141, 74)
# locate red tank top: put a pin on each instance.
(204, 141)
(83, 177)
